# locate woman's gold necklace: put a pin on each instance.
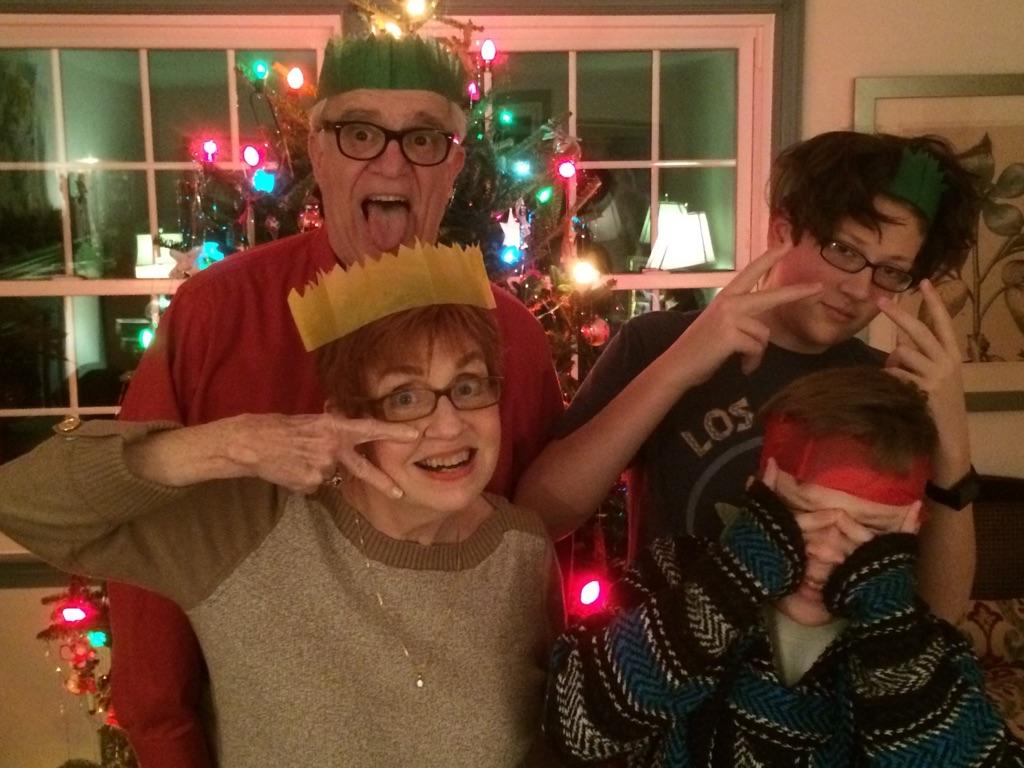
(417, 669)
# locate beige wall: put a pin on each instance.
(846, 39)
(41, 725)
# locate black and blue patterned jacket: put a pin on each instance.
(680, 671)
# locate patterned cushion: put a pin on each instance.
(995, 629)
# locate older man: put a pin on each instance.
(385, 148)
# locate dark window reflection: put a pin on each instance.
(30, 225)
(111, 333)
(529, 89)
(102, 105)
(20, 435)
(698, 104)
(108, 212)
(615, 218)
(614, 102)
(32, 349)
(189, 96)
(26, 106)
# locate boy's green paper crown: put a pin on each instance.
(341, 301)
(919, 181)
(384, 63)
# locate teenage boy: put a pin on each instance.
(855, 220)
(788, 642)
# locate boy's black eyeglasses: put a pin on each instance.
(469, 393)
(842, 256)
(360, 140)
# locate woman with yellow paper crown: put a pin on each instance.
(341, 625)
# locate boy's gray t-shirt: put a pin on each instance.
(708, 444)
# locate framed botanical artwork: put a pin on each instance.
(983, 117)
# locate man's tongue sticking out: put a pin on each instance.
(389, 222)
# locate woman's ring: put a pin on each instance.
(335, 480)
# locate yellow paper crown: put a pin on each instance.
(342, 300)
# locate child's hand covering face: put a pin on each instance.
(834, 524)
(809, 498)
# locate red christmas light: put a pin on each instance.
(567, 169)
(589, 594)
(252, 156)
(73, 614)
(210, 150)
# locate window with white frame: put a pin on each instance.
(96, 115)
(673, 114)
(97, 118)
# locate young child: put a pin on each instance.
(780, 647)
(855, 220)
(353, 625)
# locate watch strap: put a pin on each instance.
(959, 495)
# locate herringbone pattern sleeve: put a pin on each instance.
(621, 683)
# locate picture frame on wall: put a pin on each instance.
(983, 118)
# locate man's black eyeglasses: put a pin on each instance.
(360, 140)
(849, 259)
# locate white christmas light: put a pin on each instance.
(585, 273)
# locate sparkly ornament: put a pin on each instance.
(273, 225)
(512, 229)
(596, 332)
(310, 218)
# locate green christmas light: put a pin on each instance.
(97, 638)
(544, 194)
(260, 70)
(145, 338)
(505, 117)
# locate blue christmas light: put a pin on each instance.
(97, 638)
(521, 168)
(511, 255)
(263, 181)
(210, 254)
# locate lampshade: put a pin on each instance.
(684, 239)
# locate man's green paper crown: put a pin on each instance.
(919, 181)
(384, 63)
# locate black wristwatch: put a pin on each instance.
(959, 495)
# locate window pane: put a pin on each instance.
(193, 208)
(173, 196)
(26, 106)
(32, 348)
(615, 219)
(614, 104)
(19, 436)
(698, 104)
(110, 337)
(532, 87)
(189, 95)
(102, 105)
(255, 120)
(711, 191)
(108, 211)
(30, 225)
